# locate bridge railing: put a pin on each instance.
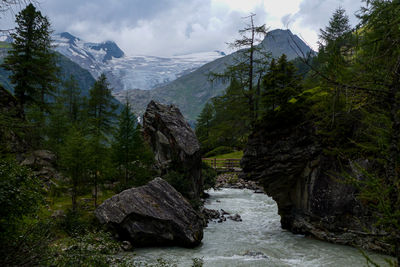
(223, 164)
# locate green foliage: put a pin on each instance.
(101, 111)
(74, 157)
(31, 61)
(179, 181)
(24, 238)
(21, 194)
(90, 249)
(280, 84)
(209, 176)
(131, 156)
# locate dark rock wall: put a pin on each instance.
(307, 184)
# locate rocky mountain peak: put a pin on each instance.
(281, 41)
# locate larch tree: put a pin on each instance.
(101, 115)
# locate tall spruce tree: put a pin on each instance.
(74, 160)
(101, 112)
(31, 60)
(126, 142)
(280, 83)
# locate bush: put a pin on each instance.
(90, 249)
(219, 151)
(209, 176)
(74, 223)
(179, 181)
(24, 235)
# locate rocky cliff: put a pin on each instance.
(308, 186)
(174, 144)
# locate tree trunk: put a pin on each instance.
(95, 189)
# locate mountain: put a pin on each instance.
(191, 91)
(129, 72)
(67, 68)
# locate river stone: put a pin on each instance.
(152, 215)
(174, 144)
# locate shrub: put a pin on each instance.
(209, 176)
(24, 235)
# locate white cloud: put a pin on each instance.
(167, 27)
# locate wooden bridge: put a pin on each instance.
(224, 165)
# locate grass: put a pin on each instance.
(232, 155)
(4, 45)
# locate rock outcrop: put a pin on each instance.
(152, 215)
(174, 144)
(312, 197)
(43, 164)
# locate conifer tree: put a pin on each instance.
(249, 66)
(31, 61)
(101, 112)
(126, 142)
(74, 160)
(280, 83)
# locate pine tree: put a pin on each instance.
(204, 124)
(101, 112)
(73, 101)
(280, 83)
(126, 142)
(31, 61)
(74, 160)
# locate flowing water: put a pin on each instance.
(229, 243)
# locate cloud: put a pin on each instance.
(315, 14)
(167, 27)
(153, 27)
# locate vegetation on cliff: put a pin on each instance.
(349, 99)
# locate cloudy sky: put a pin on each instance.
(168, 27)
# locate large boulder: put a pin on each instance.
(174, 144)
(152, 215)
(313, 197)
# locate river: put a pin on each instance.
(227, 243)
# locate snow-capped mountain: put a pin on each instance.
(129, 72)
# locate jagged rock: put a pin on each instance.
(151, 215)
(210, 214)
(312, 197)
(174, 143)
(43, 164)
(126, 245)
(235, 218)
(58, 214)
(256, 254)
(223, 212)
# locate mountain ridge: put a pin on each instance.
(190, 92)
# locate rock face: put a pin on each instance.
(306, 184)
(43, 164)
(174, 143)
(152, 215)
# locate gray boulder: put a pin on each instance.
(152, 215)
(174, 144)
